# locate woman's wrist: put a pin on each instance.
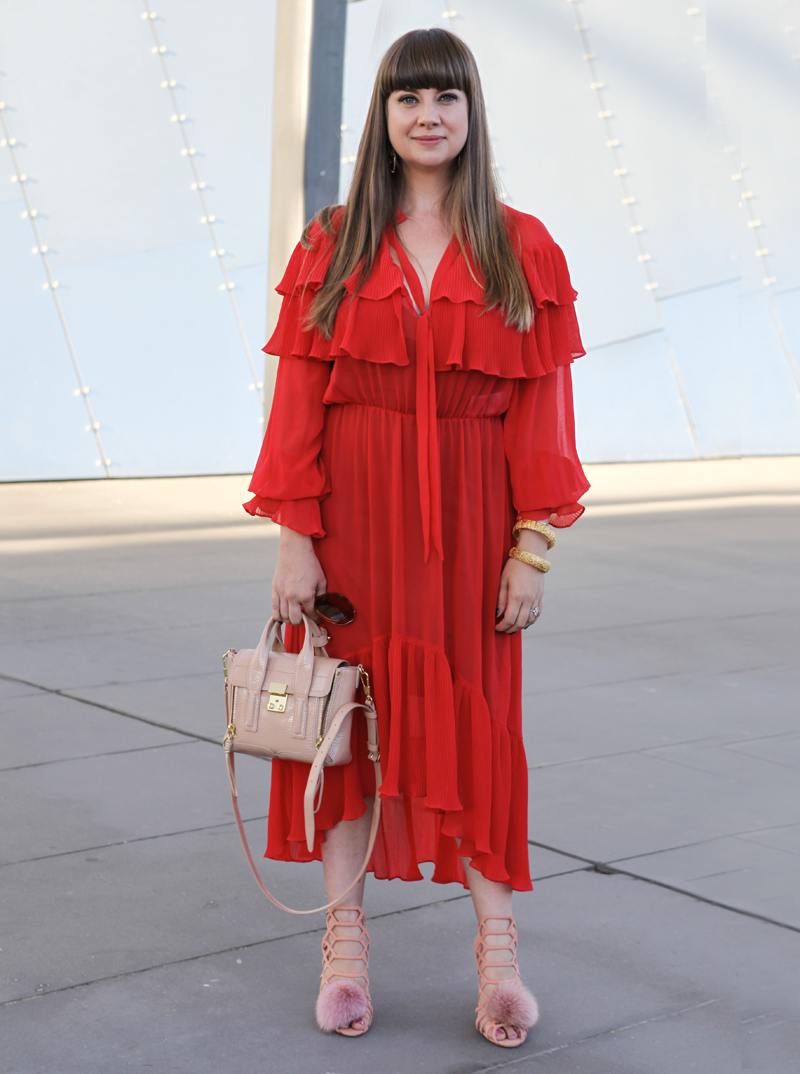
(531, 541)
(290, 538)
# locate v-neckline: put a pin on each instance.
(410, 275)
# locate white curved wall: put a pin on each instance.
(156, 338)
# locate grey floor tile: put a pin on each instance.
(158, 900)
(571, 724)
(94, 615)
(786, 837)
(42, 728)
(737, 765)
(734, 871)
(194, 703)
(643, 597)
(147, 566)
(783, 749)
(631, 804)
(10, 691)
(546, 863)
(71, 662)
(648, 650)
(64, 807)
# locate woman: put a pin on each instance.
(422, 405)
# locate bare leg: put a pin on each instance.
(493, 900)
(342, 854)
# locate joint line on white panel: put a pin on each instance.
(636, 229)
(747, 202)
(190, 152)
(32, 215)
(793, 32)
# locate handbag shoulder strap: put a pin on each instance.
(308, 800)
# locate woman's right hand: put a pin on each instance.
(298, 579)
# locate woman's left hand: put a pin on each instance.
(521, 588)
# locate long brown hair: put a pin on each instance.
(423, 59)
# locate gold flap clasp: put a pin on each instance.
(277, 697)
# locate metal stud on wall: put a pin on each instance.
(190, 152)
(644, 257)
(747, 202)
(21, 179)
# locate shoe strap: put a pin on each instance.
(484, 951)
(330, 939)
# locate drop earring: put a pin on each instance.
(393, 162)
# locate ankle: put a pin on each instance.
(345, 915)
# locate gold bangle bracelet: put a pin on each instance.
(540, 564)
(537, 527)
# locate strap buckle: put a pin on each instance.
(363, 674)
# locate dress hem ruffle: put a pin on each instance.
(467, 782)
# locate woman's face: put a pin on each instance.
(427, 127)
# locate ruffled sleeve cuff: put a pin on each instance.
(558, 517)
(303, 516)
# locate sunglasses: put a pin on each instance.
(335, 609)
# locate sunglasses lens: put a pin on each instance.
(335, 609)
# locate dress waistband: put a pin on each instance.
(411, 413)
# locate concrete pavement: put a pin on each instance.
(663, 737)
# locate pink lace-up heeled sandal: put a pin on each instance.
(504, 1003)
(343, 1004)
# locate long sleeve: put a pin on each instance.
(290, 478)
(539, 431)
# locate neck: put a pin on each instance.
(424, 189)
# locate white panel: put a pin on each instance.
(156, 337)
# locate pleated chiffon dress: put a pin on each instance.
(406, 446)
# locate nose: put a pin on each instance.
(429, 113)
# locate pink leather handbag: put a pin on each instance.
(298, 707)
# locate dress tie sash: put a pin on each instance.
(428, 467)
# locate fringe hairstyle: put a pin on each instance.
(423, 59)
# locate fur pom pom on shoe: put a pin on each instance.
(510, 1003)
(344, 992)
(339, 1004)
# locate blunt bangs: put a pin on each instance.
(427, 59)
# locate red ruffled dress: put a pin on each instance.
(406, 446)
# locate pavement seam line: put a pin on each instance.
(90, 756)
(127, 842)
(782, 666)
(646, 751)
(213, 954)
(607, 869)
(247, 946)
(226, 586)
(128, 631)
(702, 842)
(110, 708)
(767, 613)
(597, 1036)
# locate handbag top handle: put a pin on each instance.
(257, 672)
